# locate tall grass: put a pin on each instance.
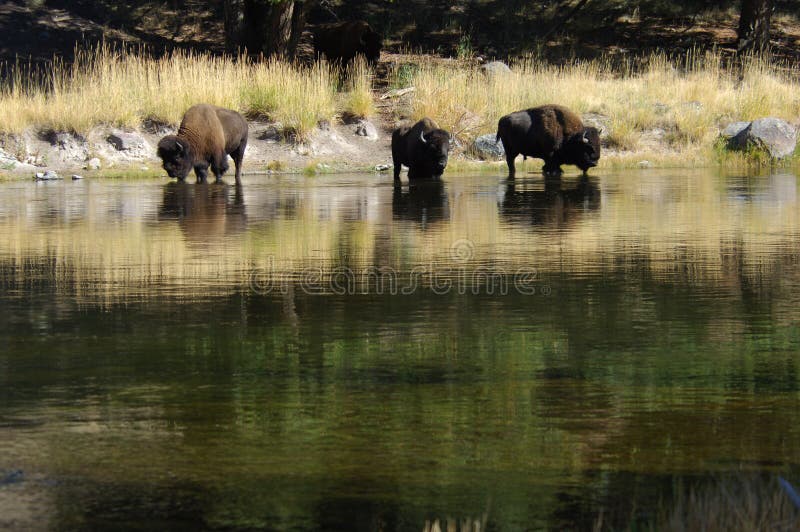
(106, 85)
(689, 98)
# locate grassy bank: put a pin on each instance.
(673, 109)
(124, 88)
(669, 111)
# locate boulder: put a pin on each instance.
(774, 136)
(485, 147)
(494, 68)
(365, 128)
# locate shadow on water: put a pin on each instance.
(424, 203)
(555, 206)
(205, 212)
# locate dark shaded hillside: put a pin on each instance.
(40, 29)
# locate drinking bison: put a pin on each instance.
(341, 42)
(552, 133)
(207, 135)
(423, 148)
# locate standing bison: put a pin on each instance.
(423, 148)
(207, 135)
(341, 42)
(552, 133)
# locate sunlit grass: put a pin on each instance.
(107, 86)
(691, 99)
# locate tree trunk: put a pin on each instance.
(754, 23)
(269, 27)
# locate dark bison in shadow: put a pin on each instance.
(423, 148)
(341, 42)
(206, 136)
(552, 133)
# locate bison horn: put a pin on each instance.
(586, 137)
(179, 147)
(422, 137)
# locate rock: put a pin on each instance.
(776, 137)
(270, 134)
(396, 93)
(70, 146)
(596, 120)
(124, 141)
(382, 167)
(49, 175)
(365, 128)
(485, 147)
(324, 125)
(93, 164)
(76, 177)
(494, 68)
(645, 164)
(732, 130)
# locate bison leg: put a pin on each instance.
(219, 165)
(551, 169)
(510, 156)
(201, 171)
(238, 155)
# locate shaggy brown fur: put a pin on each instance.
(552, 133)
(341, 42)
(207, 135)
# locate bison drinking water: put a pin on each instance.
(552, 133)
(341, 42)
(423, 148)
(207, 135)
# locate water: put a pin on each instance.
(327, 353)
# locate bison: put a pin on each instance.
(207, 135)
(552, 133)
(341, 42)
(423, 148)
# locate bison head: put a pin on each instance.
(370, 45)
(176, 155)
(435, 148)
(585, 148)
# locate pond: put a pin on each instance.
(337, 353)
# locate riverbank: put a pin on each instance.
(107, 111)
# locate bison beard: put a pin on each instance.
(207, 135)
(340, 43)
(423, 148)
(552, 133)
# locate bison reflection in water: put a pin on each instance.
(205, 212)
(424, 202)
(554, 206)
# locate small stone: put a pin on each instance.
(144, 168)
(381, 167)
(645, 164)
(49, 175)
(93, 164)
(76, 177)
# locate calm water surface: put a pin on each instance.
(332, 352)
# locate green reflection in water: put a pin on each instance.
(165, 366)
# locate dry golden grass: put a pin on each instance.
(125, 88)
(690, 100)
